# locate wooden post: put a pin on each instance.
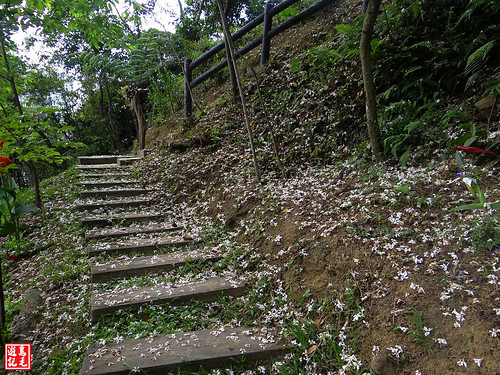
(368, 80)
(188, 100)
(266, 40)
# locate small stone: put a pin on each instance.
(382, 364)
(28, 317)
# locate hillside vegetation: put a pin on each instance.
(379, 271)
(365, 264)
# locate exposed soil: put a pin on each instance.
(402, 252)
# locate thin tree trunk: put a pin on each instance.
(369, 84)
(228, 50)
(101, 98)
(181, 10)
(227, 36)
(112, 128)
(171, 101)
(36, 183)
(135, 104)
(266, 113)
(10, 78)
(232, 74)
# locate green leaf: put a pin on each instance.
(343, 29)
(471, 80)
(495, 206)
(294, 66)
(22, 209)
(473, 206)
(411, 70)
(404, 158)
(4, 209)
(8, 197)
(459, 159)
(7, 228)
(412, 126)
(430, 82)
(480, 195)
(470, 141)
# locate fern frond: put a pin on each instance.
(472, 79)
(477, 57)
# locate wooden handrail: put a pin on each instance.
(264, 39)
(242, 32)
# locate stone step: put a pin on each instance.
(163, 354)
(141, 246)
(99, 159)
(174, 294)
(102, 221)
(108, 183)
(122, 203)
(113, 193)
(128, 160)
(149, 264)
(103, 166)
(121, 232)
(110, 174)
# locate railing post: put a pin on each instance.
(188, 100)
(266, 41)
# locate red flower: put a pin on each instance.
(475, 150)
(1, 144)
(4, 162)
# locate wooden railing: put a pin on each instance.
(265, 40)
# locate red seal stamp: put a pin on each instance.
(18, 357)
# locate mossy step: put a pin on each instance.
(99, 159)
(113, 193)
(174, 294)
(141, 246)
(108, 183)
(128, 160)
(148, 264)
(102, 221)
(113, 204)
(103, 166)
(162, 354)
(121, 232)
(110, 174)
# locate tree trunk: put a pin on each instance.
(101, 97)
(36, 183)
(181, 10)
(135, 104)
(366, 62)
(227, 36)
(112, 129)
(229, 57)
(10, 78)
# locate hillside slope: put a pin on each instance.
(377, 270)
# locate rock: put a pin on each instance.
(485, 105)
(28, 317)
(383, 365)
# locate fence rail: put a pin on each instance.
(265, 40)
